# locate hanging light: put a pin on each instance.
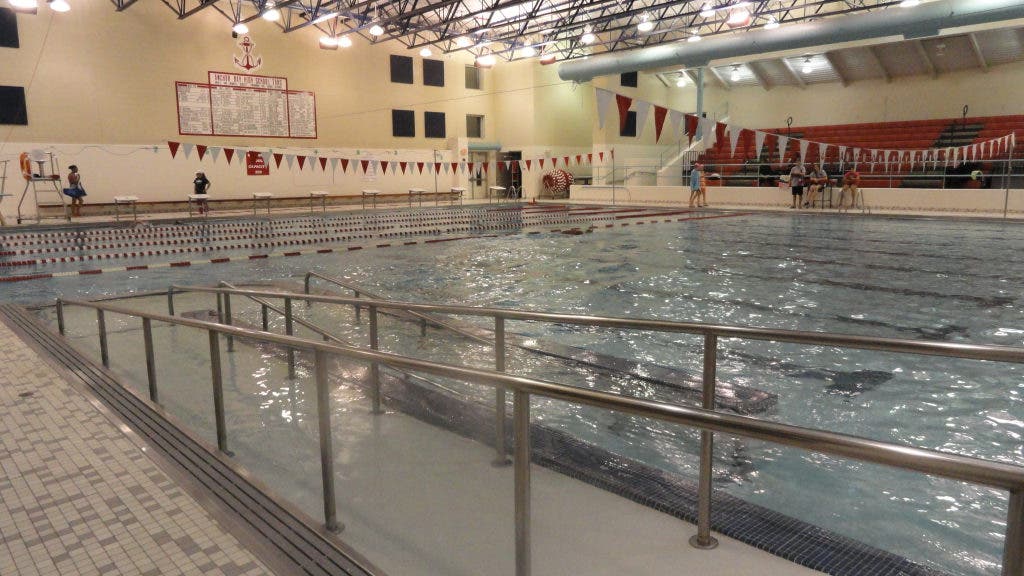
(772, 23)
(463, 42)
(58, 5)
(270, 13)
(588, 36)
(738, 17)
(735, 76)
(345, 41)
(707, 11)
(808, 67)
(909, 3)
(328, 42)
(426, 53)
(240, 28)
(24, 5)
(376, 30)
(527, 51)
(646, 24)
(486, 60)
(694, 38)
(681, 81)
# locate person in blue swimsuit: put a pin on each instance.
(695, 179)
(75, 190)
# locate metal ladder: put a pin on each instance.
(40, 182)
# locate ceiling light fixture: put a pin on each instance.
(772, 23)
(694, 38)
(325, 17)
(58, 5)
(271, 14)
(738, 17)
(735, 76)
(707, 11)
(345, 41)
(426, 53)
(681, 81)
(376, 30)
(328, 42)
(486, 60)
(24, 5)
(909, 3)
(463, 42)
(646, 24)
(588, 36)
(240, 28)
(527, 51)
(808, 67)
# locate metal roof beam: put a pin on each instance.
(792, 73)
(922, 53)
(755, 69)
(718, 77)
(976, 49)
(873, 56)
(831, 58)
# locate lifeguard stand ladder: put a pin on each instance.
(39, 182)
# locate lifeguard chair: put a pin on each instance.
(39, 181)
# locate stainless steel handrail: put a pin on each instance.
(952, 466)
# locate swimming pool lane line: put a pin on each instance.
(311, 251)
(399, 232)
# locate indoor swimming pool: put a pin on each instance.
(943, 280)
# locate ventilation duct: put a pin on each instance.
(924, 20)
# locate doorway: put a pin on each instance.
(478, 177)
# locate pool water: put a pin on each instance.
(907, 278)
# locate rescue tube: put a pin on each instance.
(26, 166)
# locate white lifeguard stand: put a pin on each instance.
(34, 166)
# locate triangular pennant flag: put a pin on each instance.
(675, 120)
(579, 159)
(173, 147)
(803, 150)
(462, 167)
(201, 149)
(334, 164)
(822, 152)
(642, 110)
(783, 141)
(758, 143)
(290, 160)
(419, 165)
(600, 156)
(455, 167)
(471, 164)
(323, 163)
(691, 126)
(277, 159)
(487, 166)
(402, 165)
(508, 165)
(187, 149)
(229, 153)
(344, 164)
(385, 165)
(734, 138)
(554, 162)
(604, 100)
(365, 164)
(528, 167)
(540, 161)
(302, 162)
(565, 160)
(214, 152)
(623, 103)
(590, 158)
(437, 167)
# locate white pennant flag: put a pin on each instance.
(522, 166)
(803, 150)
(309, 161)
(642, 110)
(734, 138)
(508, 165)
(266, 158)
(675, 119)
(214, 152)
(758, 143)
(783, 142)
(709, 133)
(290, 159)
(187, 149)
(604, 101)
(334, 164)
(462, 167)
(822, 152)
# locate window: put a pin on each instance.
(628, 79)
(433, 72)
(12, 106)
(403, 124)
(401, 69)
(473, 78)
(630, 128)
(433, 124)
(475, 126)
(8, 28)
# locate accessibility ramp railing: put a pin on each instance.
(967, 469)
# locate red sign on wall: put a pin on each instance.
(255, 166)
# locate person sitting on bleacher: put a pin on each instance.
(851, 183)
(818, 179)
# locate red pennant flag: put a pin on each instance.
(590, 158)
(691, 126)
(302, 161)
(471, 167)
(528, 165)
(365, 164)
(659, 121)
(384, 168)
(229, 153)
(487, 166)
(173, 147)
(323, 163)
(600, 156)
(402, 165)
(277, 159)
(623, 102)
(540, 161)
(565, 160)
(613, 153)
(503, 166)
(455, 167)
(201, 149)
(437, 167)
(554, 162)
(419, 166)
(344, 164)
(579, 158)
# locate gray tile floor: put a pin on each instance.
(78, 496)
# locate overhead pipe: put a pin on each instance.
(924, 20)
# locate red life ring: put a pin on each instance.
(26, 166)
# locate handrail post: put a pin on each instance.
(170, 300)
(501, 451)
(521, 428)
(356, 306)
(305, 287)
(227, 320)
(147, 339)
(323, 410)
(288, 331)
(1013, 546)
(101, 323)
(703, 538)
(263, 314)
(220, 308)
(218, 393)
(60, 316)
(374, 367)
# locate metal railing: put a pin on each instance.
(951, 466)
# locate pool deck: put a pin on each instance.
(81, 493)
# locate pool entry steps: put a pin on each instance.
(408, 385)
